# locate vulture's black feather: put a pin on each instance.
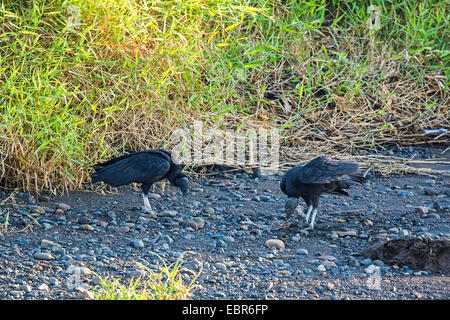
(144, 167)
(320, 175)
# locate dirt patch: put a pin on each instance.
(416, 252)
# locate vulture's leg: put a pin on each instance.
(308, 213)
(147, 206)
(313, 218)
(315, 202)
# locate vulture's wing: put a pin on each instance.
(162, 153)
(323, 170)
(144, 167)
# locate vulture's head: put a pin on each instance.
(182, 182)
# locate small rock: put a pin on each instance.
(84, 220)
(101, 223)
(351, 233)
(85, 294)
(321, 268)
(48, 244)
(43, 287)
(59, 211)
(43, 198)
(220, 266)
(243, 227)
(168, 213)
(274, 243)
(200, 222)
(38, 209)
(421, 210)
(353, 262)
(334, 235)
(122, 229)
(43, 256)
(328, 258)
(86, 227)
(433, 216)
(378, 263)
(330, 286)
(329, 264)
(302, 252)
(137, 243)
(63, 206)
(164, 239)
(394, 230)
(429, 192)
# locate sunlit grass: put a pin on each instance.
(165, 284)
(81, 80)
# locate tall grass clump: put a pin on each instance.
(82, 80)
(164, 284)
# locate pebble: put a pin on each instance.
(378, 263)
(122, 229)
(59, 211)
(421, 210)
(164, 239)
(49, 244)
(101, 223)
(38, 209)
(43, 198)
(346, 233)
(330, 286)
(168, 213)
(302, 252)
(220, 266)
(329, 264)
(63, 206)
(85, 294)
(321, 268)
(43, 287)
(274, 243)
(86, 227)
(137, 243)
(43, 256)
(328, 258)
(366, 262)
(195, 223)
(84, 220)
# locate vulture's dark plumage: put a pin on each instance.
(310, 180)
(144, 167)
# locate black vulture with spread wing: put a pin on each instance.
(310, 180)
(144, 167)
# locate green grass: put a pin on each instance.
(132, 71)
(166, 284)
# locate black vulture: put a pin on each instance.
(145, 167)
(310, 180)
